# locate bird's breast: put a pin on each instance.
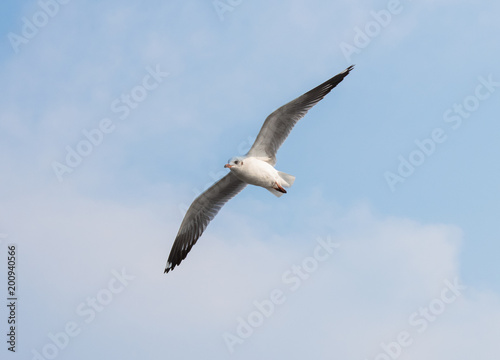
(257, 172)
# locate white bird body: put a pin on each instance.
(255, 168)
(257, 171)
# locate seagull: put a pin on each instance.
(254, 168)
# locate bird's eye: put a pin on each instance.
(236, 162)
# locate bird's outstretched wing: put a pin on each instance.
(200, 213)
(279, 124)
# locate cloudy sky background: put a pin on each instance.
(119, 210)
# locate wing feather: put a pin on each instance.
(200, 213)
(278, 125)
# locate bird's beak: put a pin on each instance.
(228, 166)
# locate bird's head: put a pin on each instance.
(234, 163)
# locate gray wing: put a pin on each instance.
(279, 124)
(200, 213)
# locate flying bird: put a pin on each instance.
(255, 168)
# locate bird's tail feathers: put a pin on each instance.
(274, 192)
(287, 179)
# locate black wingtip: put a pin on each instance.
(168, 267)
(346, 71)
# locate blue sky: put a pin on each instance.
(177, 88)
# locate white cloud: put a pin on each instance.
(384, 270)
